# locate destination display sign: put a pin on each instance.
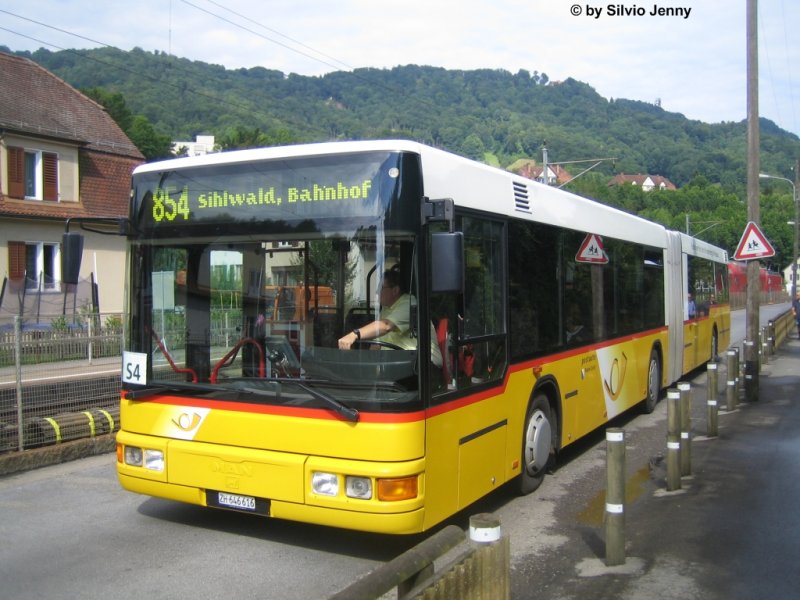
(173, 204)
(251, 192)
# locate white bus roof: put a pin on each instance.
(696, 247)
(469, 183)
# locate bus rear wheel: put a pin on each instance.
(537, 444)
(653, 383)
(714, 346)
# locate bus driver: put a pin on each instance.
(394, 326)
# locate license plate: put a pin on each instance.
(250, 504)
(236, 501)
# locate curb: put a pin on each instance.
(26, 460)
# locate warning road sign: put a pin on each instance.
(591, 250)
(753, 244)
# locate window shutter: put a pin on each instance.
(16, 172)
(16, 260)
(50, 176)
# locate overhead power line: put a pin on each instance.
(394, 90)
(261, 35)
(135, 72)
(275, 31)
(244, 107)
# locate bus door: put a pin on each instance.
(691, 341)
(691, 318)
(471, 326)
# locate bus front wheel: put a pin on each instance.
(537, 444)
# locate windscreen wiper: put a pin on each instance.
(350, 414)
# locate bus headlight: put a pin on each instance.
(154, 460)
(325, 484)
(134, 456)
(358, 487)
(141, 457)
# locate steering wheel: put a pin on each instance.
(381, 343)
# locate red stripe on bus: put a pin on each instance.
(467, 400)
(286, 411)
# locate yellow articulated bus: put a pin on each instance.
(462, 325)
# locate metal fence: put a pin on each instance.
(59, 381)
(60, 377)
(738, 300)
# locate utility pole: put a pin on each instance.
(544, 164)
(796, 200)
(753, 209)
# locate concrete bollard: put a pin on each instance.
(771, 338)
(493, 557)
(615, 497)
(730, 391)
(484, 528)
(750, 371)
(673, 440)
(712, 428)
(685, 391)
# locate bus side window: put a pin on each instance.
(482, 347)
(471, 327)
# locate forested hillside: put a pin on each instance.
(490, 115)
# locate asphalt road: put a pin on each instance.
(70, 531)
(732, 532)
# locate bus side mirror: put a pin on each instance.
(71, 253)
(447, 262)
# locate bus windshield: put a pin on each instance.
(250, 305)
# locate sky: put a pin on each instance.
(691, 58)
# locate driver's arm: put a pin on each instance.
(366, 332)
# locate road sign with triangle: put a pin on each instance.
(753, 244)
(591, 250)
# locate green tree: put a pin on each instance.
(152, 144)
(138, 128)
(473, 147)
(114, 103)
(241, 137)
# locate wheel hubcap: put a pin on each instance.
(653, 379)
(538, 439)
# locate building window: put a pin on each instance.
(32, 174)
(33, 179)
(42, 264)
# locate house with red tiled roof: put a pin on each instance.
(556, 174)
(61, 157)
(646, 182)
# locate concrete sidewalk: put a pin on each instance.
(731, 532)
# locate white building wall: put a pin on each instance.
(203, 144)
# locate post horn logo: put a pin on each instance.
(187, 422)
(617, 377)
